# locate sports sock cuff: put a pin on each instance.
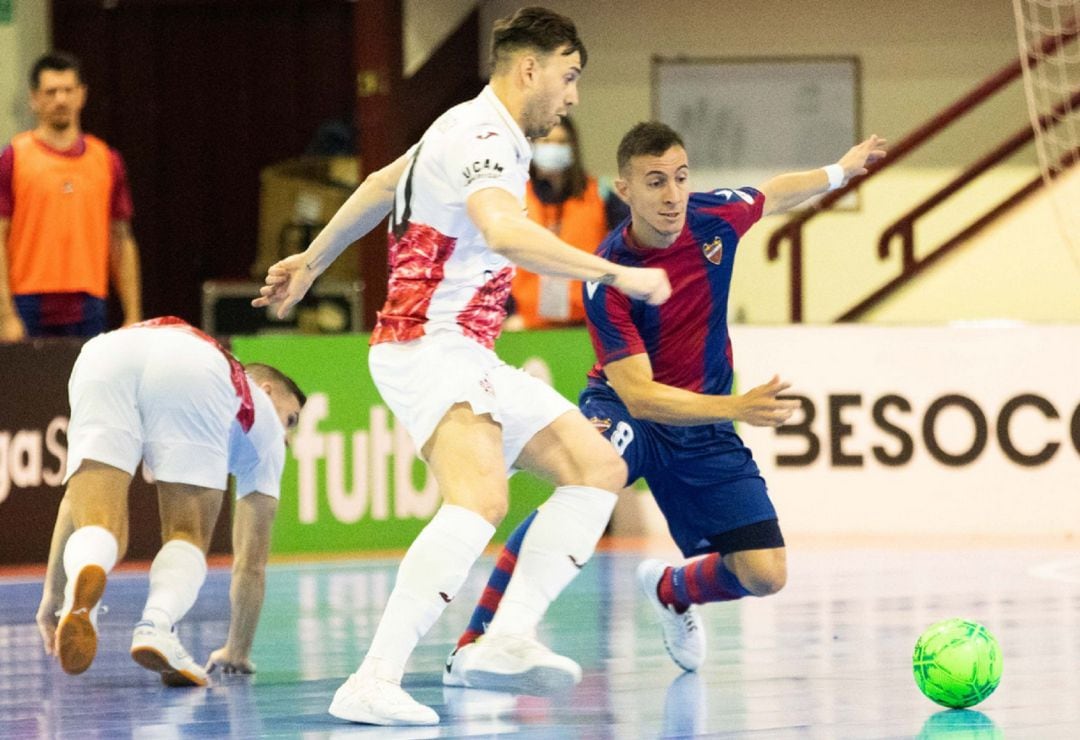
(468, 526)
(191, 555)
(591, 505)
(90, 545)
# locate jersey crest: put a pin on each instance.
(714, 250)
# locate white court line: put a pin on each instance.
(1067, 571)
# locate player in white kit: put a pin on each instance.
(457, 229)
(163, 393)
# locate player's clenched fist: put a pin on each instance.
(649, 284)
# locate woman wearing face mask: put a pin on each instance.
(579, 210)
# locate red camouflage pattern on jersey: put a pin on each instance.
(417, 264)
(483, 317)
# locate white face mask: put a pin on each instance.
(552, 157)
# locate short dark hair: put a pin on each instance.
(263, 372)
(534, 28)
(646, 138)
(55, 61)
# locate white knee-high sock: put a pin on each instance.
(176, 575)
(432, 571)
(92, 545)
(560, 540)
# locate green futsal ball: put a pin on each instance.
(957, 663)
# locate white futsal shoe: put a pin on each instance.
(76, 632)
(375, 701)
(514, 663)
(684, 634)
(160, 650)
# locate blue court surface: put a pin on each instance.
(829, 657)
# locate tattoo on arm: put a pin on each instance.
(607, 278)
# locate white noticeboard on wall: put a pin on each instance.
(746, 120)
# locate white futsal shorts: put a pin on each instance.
(153, 394)
(421, 379)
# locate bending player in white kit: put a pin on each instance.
(458, 227)
(164, 393)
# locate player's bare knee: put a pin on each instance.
(608, 472)
(491, 509)
(495, 512)
(767, 582)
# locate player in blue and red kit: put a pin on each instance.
(661, 388)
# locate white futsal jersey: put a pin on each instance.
(443, 276)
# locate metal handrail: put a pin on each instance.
(918, 267)
(792, 230)
(904, 226)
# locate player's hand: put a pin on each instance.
(47, 622)
(760, 406)
(860, 156)
(287, 282)
(12, 328)
(514, 323)
(221, 658)
(649, 284)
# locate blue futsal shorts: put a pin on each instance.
(61, 314)
(703, 477)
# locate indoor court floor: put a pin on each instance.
(828, 657)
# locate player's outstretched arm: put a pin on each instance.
(290, 279)
(784, 192)
(253, 520)
(632, 379)
(508, 231)
(52, 596)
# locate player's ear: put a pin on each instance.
(528, 68)
(622, 187)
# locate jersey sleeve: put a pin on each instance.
(480, 157)
(611, 329)
(264, 475)
(7, 192)
(740, 208)
(120, 205)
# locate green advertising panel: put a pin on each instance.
(352, 479)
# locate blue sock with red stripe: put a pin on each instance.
(496, 585)
(700, 582)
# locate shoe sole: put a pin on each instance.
(370, 718)
(539, 681)
(152, 660)
(76, 636)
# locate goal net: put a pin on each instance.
(1047, 31)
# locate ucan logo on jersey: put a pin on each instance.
(714, 251)
(482, 169)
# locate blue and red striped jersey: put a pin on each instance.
(686, 338)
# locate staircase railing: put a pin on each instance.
(792, 230)
(904, 227)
